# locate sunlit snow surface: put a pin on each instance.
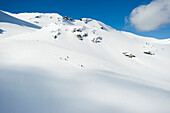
(41, 73)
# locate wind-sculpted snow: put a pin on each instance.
(10, 19)
(81, 66)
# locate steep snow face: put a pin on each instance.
(1, 31)
(10, 19)
(73, 66)
(11, 25)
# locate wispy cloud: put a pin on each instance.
(152, 16)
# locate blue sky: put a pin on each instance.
(111, 12)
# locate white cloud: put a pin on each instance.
(152, 16)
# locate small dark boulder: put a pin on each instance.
(71, 19)
(55, 36)
(129, 55)
(74, 30)
(80, 37)
(79, 30)
(97, 40)
(58, 33)
(37, 16)
(81, 65)
(101, 27)
(85, 35)
(67, 18)
(148, 53)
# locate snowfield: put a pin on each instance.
(53, 64)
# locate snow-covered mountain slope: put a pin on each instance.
(42, 19)
(11, 25)
(82, 66)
